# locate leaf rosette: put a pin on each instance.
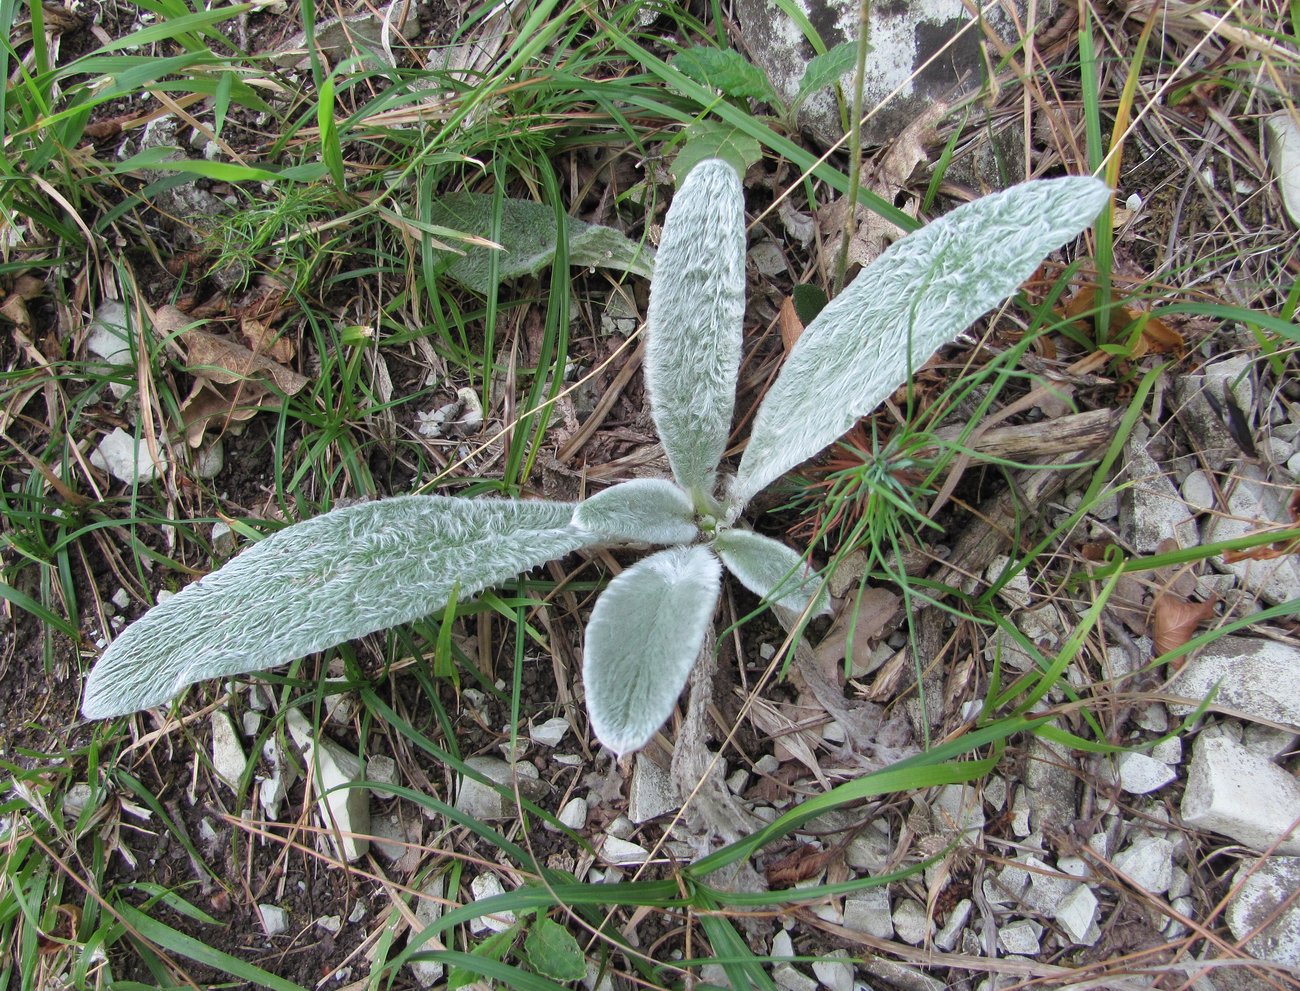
(365, 568)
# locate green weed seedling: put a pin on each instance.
(367, 567)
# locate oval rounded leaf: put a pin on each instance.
(642, 641)
(318, 583)
(653, 510)
(771, 570)
(920, 294)
(694, 323)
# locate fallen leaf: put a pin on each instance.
(1175, 622)
(791, 326)
(801, 863)
(886, 176)
(224, 362)
(210, 405)
(266, 340)
(1155, 335)
(866, 618)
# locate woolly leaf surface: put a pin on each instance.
(642, 641)
(920, 294)
(650, 509)
(694, 322)
(528, 238)
(770, 569)
(318, 583)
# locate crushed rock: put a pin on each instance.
(1233, 791)
(1264, 887)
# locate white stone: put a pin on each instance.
(651, 793)
(1020, 937)
(394, 835)
(738, 781)
(275, 920)
(946, 938)
(77, 799)
(1077, 912)
(783, 973)
(483, 887)
(1198, 491)
(1154, 717)
(126, 460)
(381, 770)
(482, 801)
(574, 813)
(1233, 791)
(1269, 742)
(995, 792)
(1015, 592)
(870, 850)
(549, 733)
(867, 911)
(345, 811)
(958, 807)
(1074, 866)
(228, 757)
(107, 336)
(208, 460)
(1180, 884)
(1169, 751)
(121, 598)
(899, 976)
(273, 788)
(1284, 159)
(1253, 504)
(911, 923)
(913, 65)
(1141, 775)
(1148, 863)
(330, 923)
(428, 910)
(622, 827)
(1046, 887)
(834, 971)
(1262, 889)
(223, 539)
(618, 851)
(1259, 678)
(1152, 511)
(251, 722)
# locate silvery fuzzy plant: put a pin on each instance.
(367, 567)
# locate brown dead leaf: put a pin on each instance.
(212, 405)
(791, 326)
(266, 340)
(887, 175)
(14, 309)
(225, 362)
(867, 618)
(1155, 337)
(801, 863)
(1175, 622)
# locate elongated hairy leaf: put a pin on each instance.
(321, 582)
(921, 293)
(653, 510)
(695, 321)
(642, 641)
(770, 569)
(528, 238)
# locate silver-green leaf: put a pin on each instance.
(321, 582)
(528, 238)
(642, 641)
(653, 510)
(920, 294)
(695, 321)
(771, 570)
